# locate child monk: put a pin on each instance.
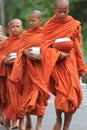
(10, 45)
(2, 36)
(63, 62)
(30, 76)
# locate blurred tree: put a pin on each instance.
(79, 11)
(21, 9)
(2, 17)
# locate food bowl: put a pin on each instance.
(63, 44)
(35, 51)
(13, 55)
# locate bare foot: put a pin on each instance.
(7, 124)
(2, 120)
(28, 122)
(29, 129)
(15, 125)
(9, 128)
(57, 126)
(21, 124)
(65, 128)
(38, 128)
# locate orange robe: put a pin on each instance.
(28, 91)
(11, 44)
(62, 76)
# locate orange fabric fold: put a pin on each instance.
(62, 76)
(28, 90)
(11, 44)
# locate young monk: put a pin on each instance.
(28, 72)
(11, 44)
(63, 62)
(2, 36)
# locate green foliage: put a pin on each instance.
(85, 37)
(22, 8)
(79, 11)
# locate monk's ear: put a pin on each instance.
(22, 29)
(55, 9)
(8, 30)
(40, 20)
(69, 9)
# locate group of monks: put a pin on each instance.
(27, 79)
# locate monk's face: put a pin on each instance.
(15, 28)
(34, 21)
(2, 38)
(62, 11)
(1, 30)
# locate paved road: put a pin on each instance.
(79, 121)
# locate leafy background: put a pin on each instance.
(22, 8)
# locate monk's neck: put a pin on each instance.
(62, 20)
(14, 36)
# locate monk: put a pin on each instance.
(2, 36)
(28, 73)
(11, 44)
(63, 62)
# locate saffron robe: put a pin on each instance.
(11, 44)
(28, 91)
(62, 75)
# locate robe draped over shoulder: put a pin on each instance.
(11, 44)
(62, 76)
(28, 90)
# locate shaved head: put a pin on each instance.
(62, 8)
(62, 3)
(14, 20)
(36, 13)
(12, 24)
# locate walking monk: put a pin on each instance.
(28, 73)
(2, 38)
(63, 62)
(10, 45)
